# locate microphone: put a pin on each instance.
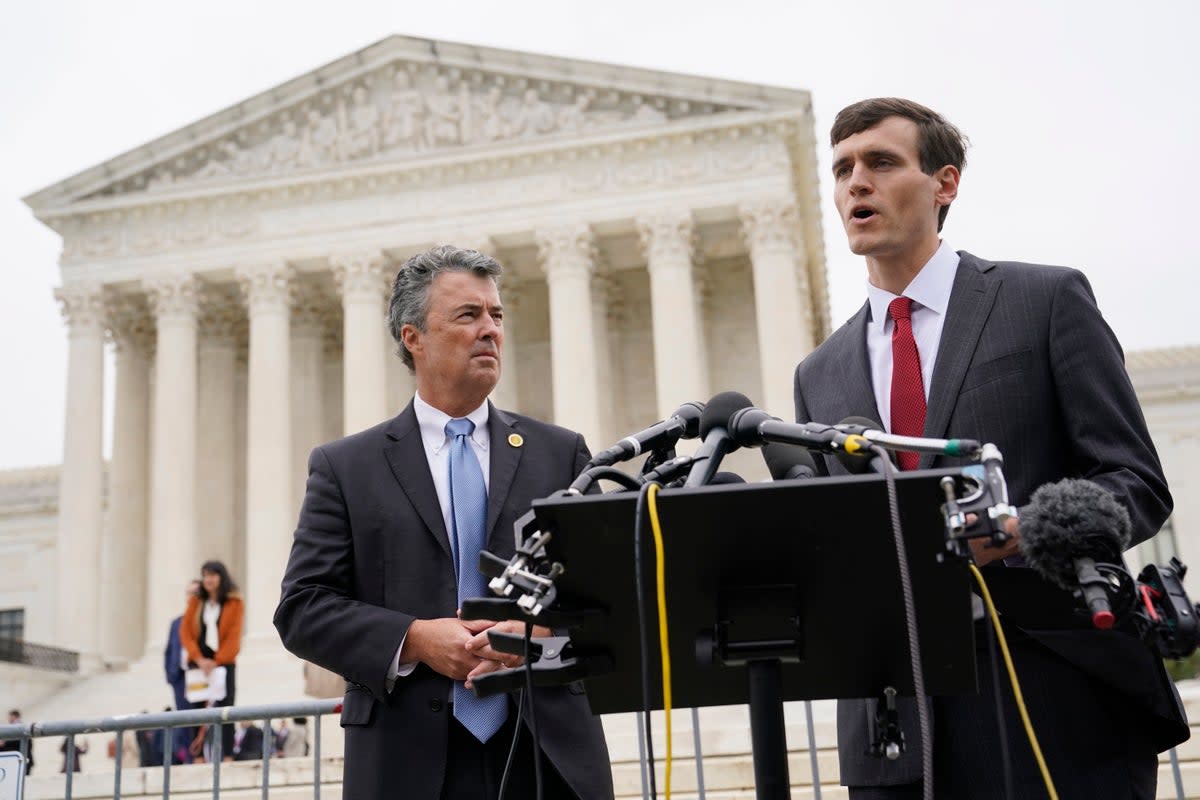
(872, 432)
(864, 461)
(715, 433)
(683, 424)
(1066, 528)
(787, 461)
(753, 427)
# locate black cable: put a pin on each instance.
(910, 624)
(643, 634)
(512, 748)
(1000, 723)
(533, 728)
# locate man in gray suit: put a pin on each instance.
(952, 345)
(386, 548)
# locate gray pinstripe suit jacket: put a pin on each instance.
(1027, 362)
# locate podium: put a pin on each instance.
(778, 591)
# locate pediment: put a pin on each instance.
(405, 98)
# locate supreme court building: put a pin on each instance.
(661, 237)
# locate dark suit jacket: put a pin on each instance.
(371, 554)
(251, 747)
(1026, 362)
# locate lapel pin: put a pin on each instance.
(516, 440)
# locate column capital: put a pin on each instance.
(567, 250)
(129, 321)
(220, 314)
(312, 308)
(266, 286)
(82, 306)
(769, 223)
(173, 296)
(667, 235)
(361, 274)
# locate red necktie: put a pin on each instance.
(908, 389)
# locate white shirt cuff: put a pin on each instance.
(396, 669)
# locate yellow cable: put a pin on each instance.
(660, 577)
(1016, 686)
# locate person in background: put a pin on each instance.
(292, 740)
(81, 747)
(248, 742)
(14, 745)
(175, 660)
(211, 633)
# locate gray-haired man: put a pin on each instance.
(390, 529)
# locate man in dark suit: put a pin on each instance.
(951, 345)
(384, 553)
(248, 742)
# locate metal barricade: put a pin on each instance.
(168, 721)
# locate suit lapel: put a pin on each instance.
(405, 454)
(971, 301)
(856, 393)
(504, 460)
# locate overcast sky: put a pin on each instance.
(1082, 116)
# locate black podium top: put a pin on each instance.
(811, 561)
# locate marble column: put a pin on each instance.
(331, 386)
(361, 282)
(270, 510)
(310, 312)
(782, 302)
(680, 355)
(123, 559)
(216, 449)
(507, 395)
(81, 481)
(171, 554)
(568, 257)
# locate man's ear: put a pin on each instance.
(947, 181)
(411, 336)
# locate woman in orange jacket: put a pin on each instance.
(211, 633)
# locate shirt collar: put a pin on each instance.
(929, 289)
(432, 422)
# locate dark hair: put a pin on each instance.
(938, 142)
(410, 290)
(225, 588)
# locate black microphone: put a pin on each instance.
(1066, 528)
(683, 424)
(717, 441)
(864, 461)
(753, 427)
(787, 461)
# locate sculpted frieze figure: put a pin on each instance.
(361, 126)
(357, 122)
(444, 114)
(405, 115)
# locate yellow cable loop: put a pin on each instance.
(1016, 686)
(660, 577)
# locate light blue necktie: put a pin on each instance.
(482, 716)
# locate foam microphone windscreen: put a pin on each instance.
(1072, 519)
(719, 409)
(787, 461)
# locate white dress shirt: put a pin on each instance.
(432, 424)
(930, 293)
